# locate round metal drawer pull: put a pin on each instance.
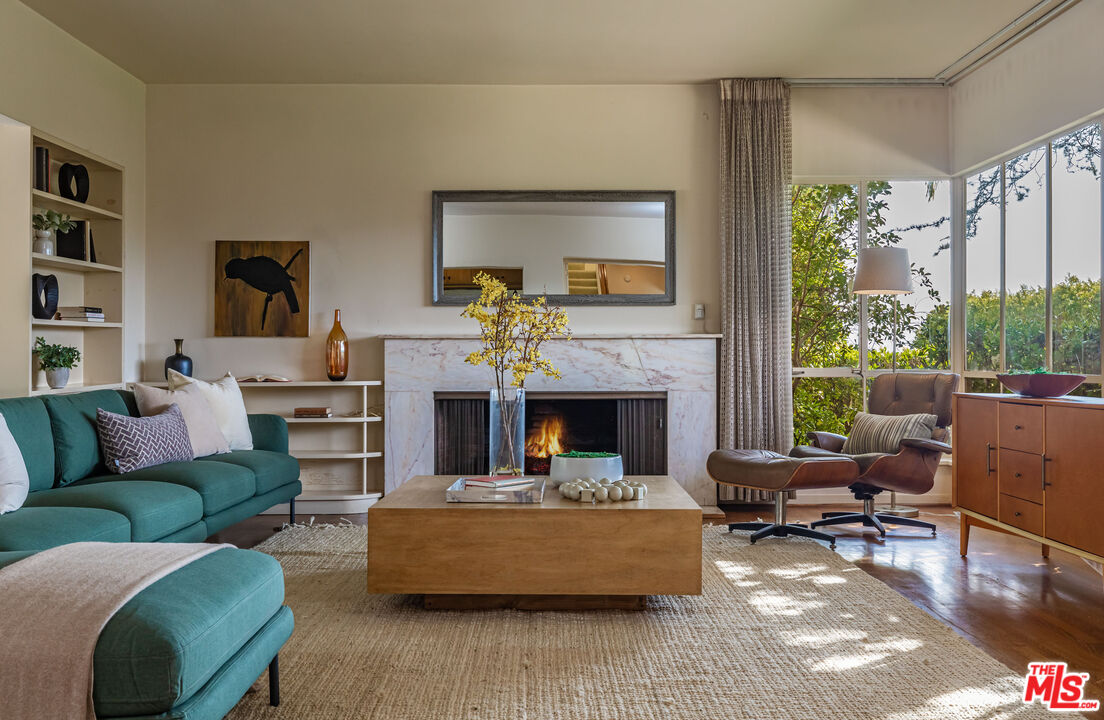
(1018, 427)
(1017, 513)
(1019, 474)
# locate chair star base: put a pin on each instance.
(766, 529)
(870, 518)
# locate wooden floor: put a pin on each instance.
(1004, 597)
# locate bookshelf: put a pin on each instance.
(339, 455)
(81, 280)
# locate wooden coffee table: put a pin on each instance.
(559, 553)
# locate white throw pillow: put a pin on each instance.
(225, 398)
(203, 427)
(15, 483)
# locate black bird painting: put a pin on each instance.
(271, 288)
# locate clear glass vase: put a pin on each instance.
(507, 432)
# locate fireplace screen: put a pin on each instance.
(634, 427)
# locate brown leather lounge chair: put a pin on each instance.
(766, 470)
(912, 469)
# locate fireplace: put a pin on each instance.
(633, 426)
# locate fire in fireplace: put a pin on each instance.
(544, 441)
(635, 427)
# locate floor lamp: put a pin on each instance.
(886, 271)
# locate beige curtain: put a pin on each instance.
(756, 400)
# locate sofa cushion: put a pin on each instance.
(203, 429)
(130, 443)
(220, 485)
(73, 422)
(15, 483)
(271, 469)
(167, 641)
(40, 528)
(155, 509)
(30, 426)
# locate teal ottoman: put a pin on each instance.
(191, 644)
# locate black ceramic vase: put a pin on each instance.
(178, 361)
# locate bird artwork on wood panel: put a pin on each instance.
(262, 289)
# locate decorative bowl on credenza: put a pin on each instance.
(1041, 385)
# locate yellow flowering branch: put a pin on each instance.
(511, 333)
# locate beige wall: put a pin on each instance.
(862, 133)
(52, 82)
(1046, 83)
(351, 168)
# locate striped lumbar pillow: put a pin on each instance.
(884, 433)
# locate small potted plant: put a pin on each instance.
(44, 226)
(57, 361)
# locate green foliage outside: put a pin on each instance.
(825, 314)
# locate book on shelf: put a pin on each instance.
(263, 378)
(79, 309)
(81, 318)
(42, 168)
(498, 482)
(313, 412)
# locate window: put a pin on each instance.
(915, 216)
(830, 372)
(983, 270)
(1033, 262)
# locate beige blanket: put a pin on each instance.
(53, 606)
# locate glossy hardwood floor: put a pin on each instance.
(1004, 597)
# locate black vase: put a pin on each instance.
(178, 361)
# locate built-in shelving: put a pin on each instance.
(75, 388)
(340, 473)
(373, 418)
(72, 208)
(83, 324)
(63, 263)
(82, 282)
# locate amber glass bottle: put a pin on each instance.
(337, 351)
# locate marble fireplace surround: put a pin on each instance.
(684, 367)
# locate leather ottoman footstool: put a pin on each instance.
(773, 472)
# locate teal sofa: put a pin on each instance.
(191, 644)
(74, 498)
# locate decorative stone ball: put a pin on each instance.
(614, 493)
(602, 495)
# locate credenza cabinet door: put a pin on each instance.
(1074, 502)
(975, 446)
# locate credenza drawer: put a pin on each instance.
(1022, 514)
(1020, 474)
(1021, 427)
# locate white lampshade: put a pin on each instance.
(883, 271)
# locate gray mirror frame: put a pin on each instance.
(667, 197)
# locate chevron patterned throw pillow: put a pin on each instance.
(131, 443)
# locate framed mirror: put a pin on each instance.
(577, 247)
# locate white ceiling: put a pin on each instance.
(528, 41)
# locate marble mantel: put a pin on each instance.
(684, 367)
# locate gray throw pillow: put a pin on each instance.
(884, 433)
(131, 443)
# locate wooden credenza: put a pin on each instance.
(1031, 467)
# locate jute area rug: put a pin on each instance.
(785, 628)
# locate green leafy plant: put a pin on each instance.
(55, 357)
(52, 220)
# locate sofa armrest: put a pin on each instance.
(921, 444)
(270, 432)
(827, 440)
